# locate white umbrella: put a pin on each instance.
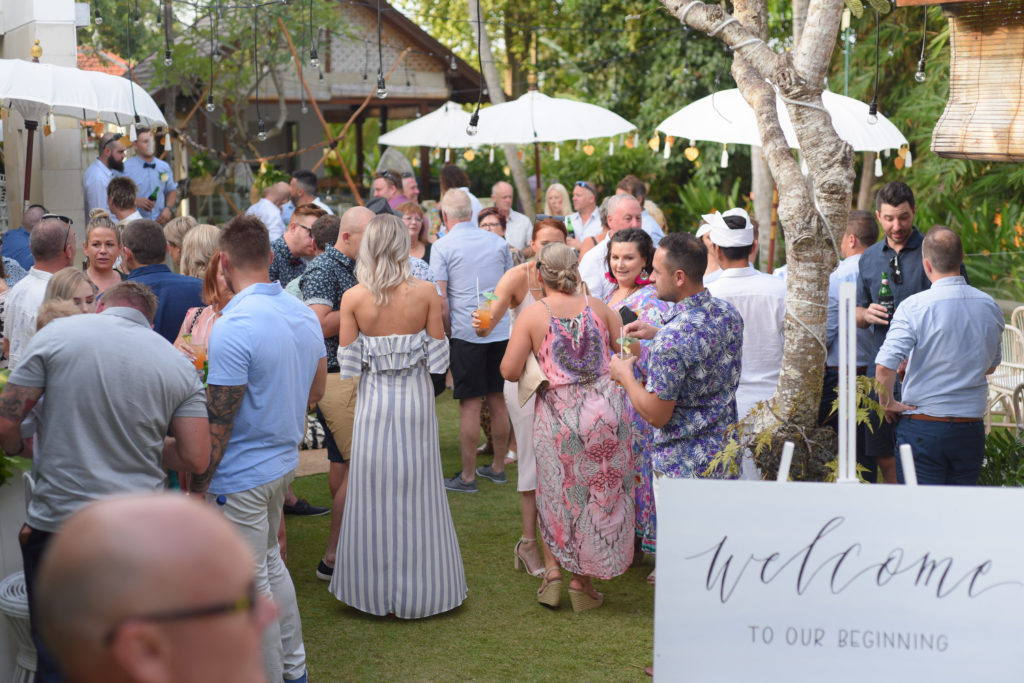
(34, 90)
(727, 118)
(443, 127)
(535, 118)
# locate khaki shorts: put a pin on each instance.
(338, 406)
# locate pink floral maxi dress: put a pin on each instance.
(582, 446)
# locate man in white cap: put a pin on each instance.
(761, 302)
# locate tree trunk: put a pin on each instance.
(497, 96)
(865, 197)
(763, 186)
(813, 215)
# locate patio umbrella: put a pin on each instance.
(535, 118)
(727, 118)
(34, 90)
(443, 127)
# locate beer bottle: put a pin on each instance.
(568, 227)
(154, 194)
(885, 296)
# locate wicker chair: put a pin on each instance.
(1017, 318)
(1008, 376)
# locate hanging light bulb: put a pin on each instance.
(873, 113)
(261, 133)
(216, 54)
(168, 59)
(210, 106)
(304, 108)
(919, 75)
(382, 88)
(472, 129)
(96, 17)
(314, 59)
(452, 63)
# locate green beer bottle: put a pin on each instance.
(885, 296)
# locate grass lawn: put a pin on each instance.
(499, 633)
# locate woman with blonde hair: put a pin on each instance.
(556, 201)
(581, 435)
(102, 249)
(415, 220)
(196, 249)
(71, 284)
(174, 233)
(397, 550)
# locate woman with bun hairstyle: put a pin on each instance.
(581, 435)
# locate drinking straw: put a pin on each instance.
(478, 292)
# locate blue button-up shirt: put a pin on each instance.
(175, 293)
(327, 277)
(470, 260)
(286, 266)
(16, 247)
(847, 271)
(148, 176)
(94, 183)
(694, 360)
(951, 333)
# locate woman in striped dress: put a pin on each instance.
(397, 552)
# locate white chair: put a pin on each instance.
(1007, 377)
(1017, 318)
(14, 605)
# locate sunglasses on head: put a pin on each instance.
(895, 270)
(64, 219)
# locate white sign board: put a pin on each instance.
(838, 582)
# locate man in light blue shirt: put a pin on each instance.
(267, 366)
(157, 191)
(861, 233)
(466, 263)
(950, 335)
(108, 164)
(636, 187)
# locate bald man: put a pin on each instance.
(327, 277)
(518, 228)
(151, 588)
(15, 242)
(268, 208)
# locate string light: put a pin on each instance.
(474, 120)
(919, 75)
(314, 59)
(261, 133)
(210, 106)
(96, 17)
(873, 107)
(168, 59)
(382, 88)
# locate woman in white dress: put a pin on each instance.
(397, 552)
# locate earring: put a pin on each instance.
(643, 278)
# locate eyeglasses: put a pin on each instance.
(490, 226)
(63, 219)
(389, 176)
(246, 603)
(895, 270)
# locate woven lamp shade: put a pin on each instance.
(984, 116)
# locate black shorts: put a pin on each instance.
(476, 368)
(881, 441)
(333, 454)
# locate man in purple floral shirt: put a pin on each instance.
(693, 365)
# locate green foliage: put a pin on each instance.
(118, 33)
(268, 175)
(201, 164)
(700, 196)
(9, 465)
(867, 389)
(1004, 459)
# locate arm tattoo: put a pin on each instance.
(222, 405)
(16, 401)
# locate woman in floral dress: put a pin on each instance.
(581, 436)
(629, 262)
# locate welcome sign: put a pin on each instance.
(766, 581)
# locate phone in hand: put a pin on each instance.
(627, 315)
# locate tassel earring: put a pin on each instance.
(643, 279)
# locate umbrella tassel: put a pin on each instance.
(447, 155)
(167, 139)
(909, 159)
(51, 123)
(490, 157)
(558, 156)
(725, 157)
(611, 147)
(668, 146)
(878, 167)
(132, 133)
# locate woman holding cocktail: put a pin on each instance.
(195, 329)
(629, 263)
(581, 436)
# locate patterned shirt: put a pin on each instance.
(285, 267)
(694, 360)
(325, 280)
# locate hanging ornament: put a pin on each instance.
(669, 141)
(132, 133)
(910, 158)
(558, 156)
(878, 167)
(519, 154)
(469, 155)
(125, 141)
(167, 139)
(654, 143)
(490, 156)
(629, 143)
(51, 123)
(898, 163)
(588, 149)
(504, 169)
(447, 154)
(691, 153)
(415, 162)
(725, 157)
(97, 128)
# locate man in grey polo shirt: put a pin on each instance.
(468, 262)
(98, 436)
